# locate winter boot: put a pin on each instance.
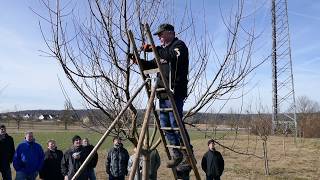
(176, 159)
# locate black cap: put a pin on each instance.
(211, 141)
(76, 137)
(2, 126)
(164, 27)
(116, 137)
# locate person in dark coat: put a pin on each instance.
(212, 162)
(93, 163)
(117, 161)
(73, 159)
(154, 164)
(6, 153)
(51, 169)
(28, 158)
(174, 56)
(184, 168)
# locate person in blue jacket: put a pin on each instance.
(28, 158)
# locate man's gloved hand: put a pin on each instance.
(147, 48)
(133, 58)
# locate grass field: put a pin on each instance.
(300, 161)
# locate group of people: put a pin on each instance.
(29, 160)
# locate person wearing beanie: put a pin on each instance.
(212, 162)
(6, 153)
(73, 159)
(28, 158)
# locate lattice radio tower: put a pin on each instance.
(283, 106)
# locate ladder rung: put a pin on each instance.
(161, 89)
(170, 128)
(178, 147)
(165, 109)
(150, 71)
(158, 89)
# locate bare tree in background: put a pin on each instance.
(307, 105)
(91, 44)
(262, 127)
(308, 116)
(66, 117)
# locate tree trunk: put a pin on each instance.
(65, 125)
(265, 156)
(284, 145)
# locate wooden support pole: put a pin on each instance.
(143, 130)
(105, 135)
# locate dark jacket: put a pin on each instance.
(51, 169)
(176, 53)
(154, 164)
(28, 157)
(212, 163)
(93, 163)
(6, 150)
(117, 161)
(69, 165)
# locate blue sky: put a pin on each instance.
(29, 80)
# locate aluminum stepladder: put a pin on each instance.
(150, 107)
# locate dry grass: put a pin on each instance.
(301, 161)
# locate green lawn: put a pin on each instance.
(64, 139)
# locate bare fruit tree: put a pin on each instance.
(91, 44)
(307, 115)
(67, 114)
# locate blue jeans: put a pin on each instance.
(91, 174)
(23, 176)
(6, 172)
(167, 120)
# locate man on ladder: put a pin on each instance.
(175, 60)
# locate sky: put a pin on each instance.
(29, 79)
